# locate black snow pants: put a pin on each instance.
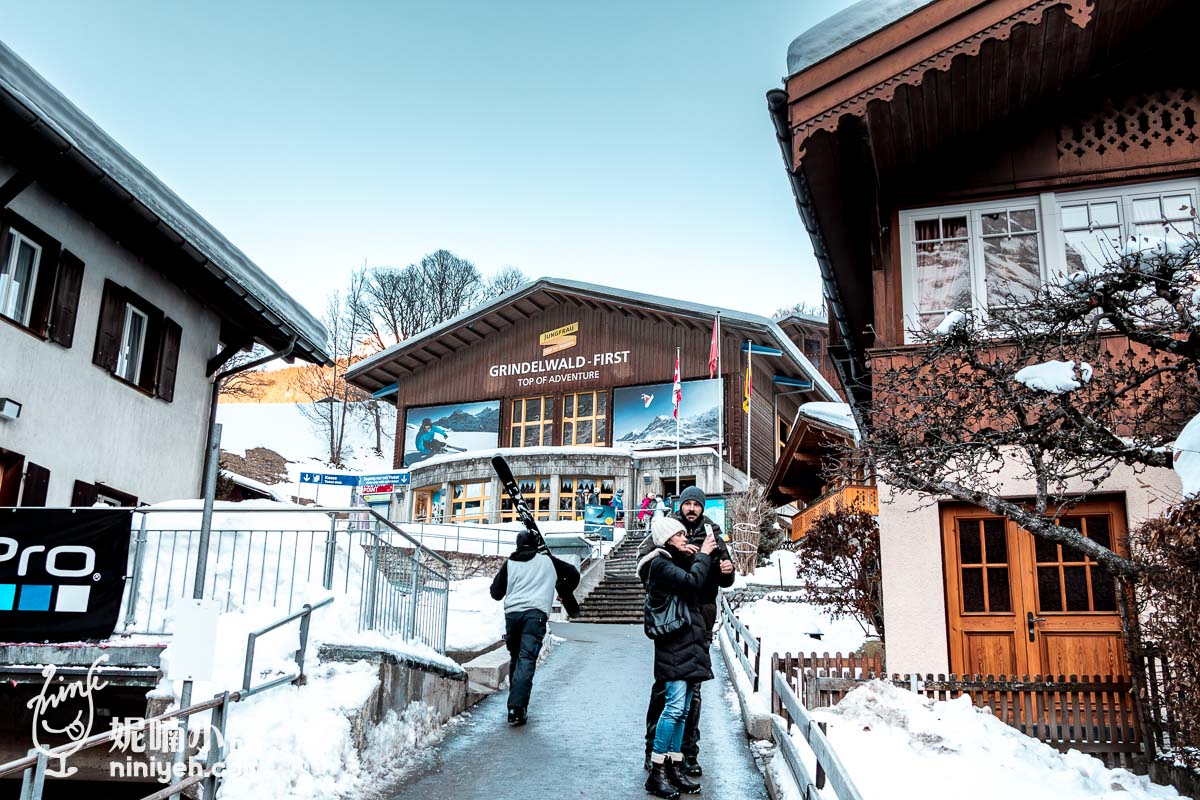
(524, 632)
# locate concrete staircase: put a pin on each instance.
(619, 597)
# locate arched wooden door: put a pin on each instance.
(1017, 605)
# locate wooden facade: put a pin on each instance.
(622, 340)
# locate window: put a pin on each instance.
(133, 340)
(576, 492)
(1067, 580)
(532, 422)
(468, 501)
(988, 256)
(536, 491)
(18, 276)
(983, 566)
(136, 342)
(585, 419)
(39, 281)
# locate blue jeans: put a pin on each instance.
(668, 736)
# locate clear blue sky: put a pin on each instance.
(625, 143)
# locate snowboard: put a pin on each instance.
(568, 576)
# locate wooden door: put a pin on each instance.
(1017, 605)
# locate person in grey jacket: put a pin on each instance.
(527, 583)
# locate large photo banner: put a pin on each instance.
(643, 415)
(62, 573)
(433, 430)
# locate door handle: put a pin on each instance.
(1031, 621)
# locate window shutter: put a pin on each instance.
(66, 299)
(108, 330)
(148, 379)
(37, 481)
(168, 359)
(85, 494)
(43, 290)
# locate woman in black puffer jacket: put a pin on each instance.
(681, 659)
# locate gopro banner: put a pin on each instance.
(62, 573)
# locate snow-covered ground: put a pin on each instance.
(897, 744)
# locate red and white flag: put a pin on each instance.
(714, 349)
(677, 389)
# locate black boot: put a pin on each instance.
(680, 781)
(516, 716)
(691, 767)
(658, 785)
(646, 764)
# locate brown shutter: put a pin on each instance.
(108, 330)
(43, 290)
(37, 481)
(148, 378)
(85, 494)
(66, 299)
(168, 359)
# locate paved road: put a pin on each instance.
(585, 737)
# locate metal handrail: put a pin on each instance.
(304, 614)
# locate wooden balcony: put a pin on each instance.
(862, 498)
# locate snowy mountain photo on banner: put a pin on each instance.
(651, 425)
(433, 430)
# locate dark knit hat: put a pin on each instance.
(692, 493)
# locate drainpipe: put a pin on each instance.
(853, 370)
(216, 392)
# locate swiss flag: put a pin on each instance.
(714, 350)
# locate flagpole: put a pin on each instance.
(720, 416)
(679, 402)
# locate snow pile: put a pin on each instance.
(1186, 452)
(896, 743)
(949, 323)
(836, 414)
(1055, 377)
(788, 627)
(476, 620)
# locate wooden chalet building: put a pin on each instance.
(573, 382)
(920, 138)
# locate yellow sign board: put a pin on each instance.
(559, 339)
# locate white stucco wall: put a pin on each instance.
(77, 420)
(914, 597)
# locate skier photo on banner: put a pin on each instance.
(427, 441)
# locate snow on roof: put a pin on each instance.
(836, 414)
(258, 486)
(51, 108)
(649, 300)
(850, 25)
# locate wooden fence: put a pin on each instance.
(747, 647)
(1093, 714)
(829, 765)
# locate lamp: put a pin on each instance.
(9, 409)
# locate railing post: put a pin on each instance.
(414, 588)
(216, 749)
(330, 553)
(249, 667)
(139, 552)
(372, 582)
(304, 622)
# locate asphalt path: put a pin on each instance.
(585, 734)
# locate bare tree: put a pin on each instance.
(804, 308)
(245, 385)
(330, 396)
(505, 280)
(839, 563)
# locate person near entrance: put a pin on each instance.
(681, 658)
(526, 583)
(697, 526)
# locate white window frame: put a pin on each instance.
(1050, 234)
(7, 285)
(123, 353)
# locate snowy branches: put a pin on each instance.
(839, 564)
(1057, 389)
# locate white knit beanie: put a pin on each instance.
(663, 528)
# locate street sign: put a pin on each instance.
(325, 479)
(396, 478)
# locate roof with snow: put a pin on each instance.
(61, 142)
(840, 31)
(387, 366)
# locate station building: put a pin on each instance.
(572, 382)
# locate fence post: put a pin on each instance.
(371, 582)
(139, 553)
(330, 552)
(757, 661)
(415, 588)
(216, 750)
(304, 623)
(248, 669)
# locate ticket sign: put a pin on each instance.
(326, 479)
(383, 483)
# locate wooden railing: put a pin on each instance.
(864, 498)
(792, 711)
(746, 646)
(1093, 714)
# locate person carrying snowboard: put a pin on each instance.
(527, 583)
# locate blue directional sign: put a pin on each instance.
(394, 478)
(326, 479)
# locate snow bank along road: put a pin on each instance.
(585, 736)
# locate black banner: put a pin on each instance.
(62, 573)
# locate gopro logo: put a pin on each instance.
(11, 549)
(59, 562)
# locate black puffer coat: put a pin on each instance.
(680, 656)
